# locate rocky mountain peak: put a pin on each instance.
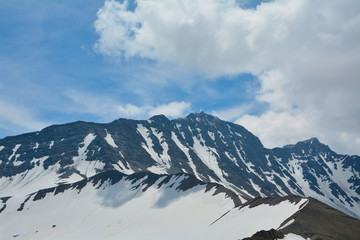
(312, 146)
(201, 145)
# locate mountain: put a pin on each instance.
(113, 205)
(202, 147)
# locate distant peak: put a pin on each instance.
(311, 141)
(159, 117)
(201, 115)
(312, 145)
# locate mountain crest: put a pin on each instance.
(201, 145)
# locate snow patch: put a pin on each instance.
(86, 167)
(186, 152)
(1, 148)
(36, 146)
(17, 146)
(89, 168)
(207, 155)
(82, 151)
(287, 224)
(232, 159)
(110, 140)
(51, 144)
(161, 160)
(16, 162)
(164, 155)
(122, 168)
(249, 220)
(292, 236)
(256, 187)
(238, 134)
(211, 135)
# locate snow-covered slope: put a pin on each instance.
(112, 205)
(204, 146)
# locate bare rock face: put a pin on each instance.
(272, 234)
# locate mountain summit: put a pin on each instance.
(199, 145)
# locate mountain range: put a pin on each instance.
(197, 177)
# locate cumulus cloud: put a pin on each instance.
(108, 109)
(304, 53)
(172, 109)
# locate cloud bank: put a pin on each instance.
(304, 53)
(110, 109)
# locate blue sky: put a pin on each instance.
(286, 70)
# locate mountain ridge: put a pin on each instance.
(200, 144)
(113, 205)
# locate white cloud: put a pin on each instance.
(17, 119)
(108, 109)
(232, 113)
(132, 110)
(305, 54)
(172, 109)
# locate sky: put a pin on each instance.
(285, 70)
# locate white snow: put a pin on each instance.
(207, 155)
(75, 177)
(164, 155)
(292, 236)
(120, 211)
(14, 151)
(30, 181)
(36, 146)
(163, 160)
(267, 160)
(249, 220)
(212, 135)
(186, 152)
(256, 187)
(295, 166)
(51, 144)
(238, 134)
(87, 168)
(116, 212)
(122, 168)
(1, 148)
(16, 162)
(110, 140)
(178, 126)
(239, 153)
(82, 151)
(233, 159)
(287, 224)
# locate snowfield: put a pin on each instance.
(131, 209)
